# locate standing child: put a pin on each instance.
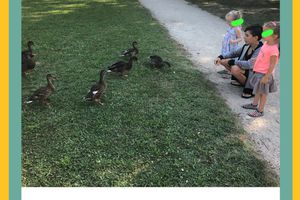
(234, 33)
(263, 77)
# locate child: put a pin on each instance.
(233, 35)
(263, 77)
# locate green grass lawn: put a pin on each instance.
(157, 128)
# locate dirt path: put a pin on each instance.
(201, 34)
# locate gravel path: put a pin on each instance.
(201, 34)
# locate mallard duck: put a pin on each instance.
(97, 90)
(157, 61)
(42, 94)
(28, 61)
(122, 67)
(132, 51)
(29, 50)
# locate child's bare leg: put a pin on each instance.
(262, 103)
(227, 67)
(256, 99)
(238, 74)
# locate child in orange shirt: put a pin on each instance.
(263, 77)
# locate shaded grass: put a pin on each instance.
(157, 128)
(254, 12)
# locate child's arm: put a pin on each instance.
(239, 36)
(248, 64)
(265, 79)
(234, 53)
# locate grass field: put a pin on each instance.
(164, 127)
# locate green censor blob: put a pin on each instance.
(267, 33)
(237, 22)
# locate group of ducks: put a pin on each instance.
(95, 93)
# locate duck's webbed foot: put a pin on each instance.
(98, 101)
(47, 102)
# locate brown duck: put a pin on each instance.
(42, 94)
(28, 62)
(97, 90)
(158, 62)
(29, 50)
(122, 67)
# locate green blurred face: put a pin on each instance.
(237, 22)
(268, 34)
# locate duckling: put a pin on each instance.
(122, 67)
(132, 51)
(157, 61)
(97, 90)
(42, 94)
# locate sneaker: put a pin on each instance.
(256, 113)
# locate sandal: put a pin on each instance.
(256, 113)
(247, 95)
(250, 106)
(235, 83)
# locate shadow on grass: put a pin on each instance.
(254, 12)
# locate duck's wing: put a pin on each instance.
(152, 61)
(156, 58)
(136, 51)
(128, 52)
(30, 62)
(39, 94)
(91, 93)
(24, 57)
(116, 66)
(100, 91)
(25, 52)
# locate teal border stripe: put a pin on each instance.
(14, 99)
(286, 100)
